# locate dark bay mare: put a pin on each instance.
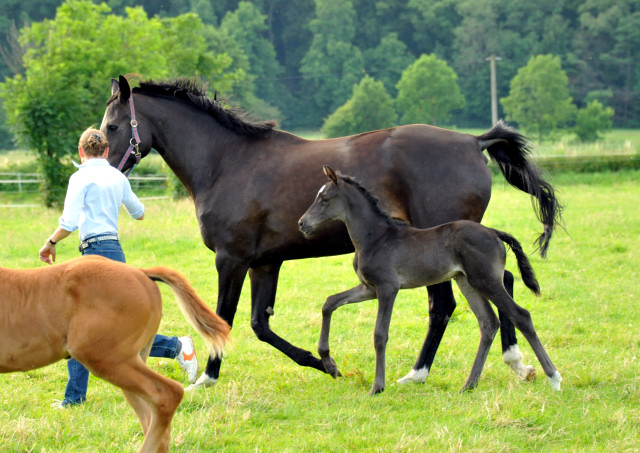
(251, 183)
(391, 255)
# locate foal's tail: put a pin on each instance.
(214, 330)
(526, 271)
(511, 152)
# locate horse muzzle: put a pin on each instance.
(305, 227)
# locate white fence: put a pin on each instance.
(26, 181)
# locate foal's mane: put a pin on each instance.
(192, 92)
(373, 200)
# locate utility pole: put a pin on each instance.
(494, 89)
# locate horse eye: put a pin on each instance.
(112, 127)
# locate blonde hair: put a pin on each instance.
(93, 142)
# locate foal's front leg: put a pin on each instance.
(360, 293)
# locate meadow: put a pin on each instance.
(586, 317)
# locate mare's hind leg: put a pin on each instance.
(511, 354)
(147, 391)
(489, 324)
(521, 318)
(358, 294)
(264, 281)
(441, 307)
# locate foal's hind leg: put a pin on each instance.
(511, 354)
(441, 307)
(142, 385)
(358, 294)
(489, 324)
(522, 320)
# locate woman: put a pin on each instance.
(92, 205)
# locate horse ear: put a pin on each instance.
(331, 174)
(125, 89)
(115, 86)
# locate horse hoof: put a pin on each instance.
(529, 373)
(419, 376)
(376, 390)
(331, 367)
(204, 381)
(555, 381)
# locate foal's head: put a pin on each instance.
(338, 199)
(327, 206)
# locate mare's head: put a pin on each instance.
(328, 205)
(128, 143)
(129, 126)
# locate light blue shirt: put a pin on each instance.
(94, 196)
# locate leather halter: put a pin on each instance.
(134, 143)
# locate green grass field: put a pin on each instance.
(586, 318)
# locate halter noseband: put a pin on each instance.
(134, 143)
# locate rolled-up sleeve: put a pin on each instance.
(73, 203)
(132, 204)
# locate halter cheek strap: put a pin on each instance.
(134, 142)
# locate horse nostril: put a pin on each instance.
(300, 223)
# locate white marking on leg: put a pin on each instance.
(513, 358)
(415, 376)
(203, 381)
(555, 381)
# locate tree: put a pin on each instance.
(539, 99)
(592, 120)
(607, 46)
(428, 91)
(387, 61)
(247, 26)
(332, 64)
(369, 108)
(68, 65)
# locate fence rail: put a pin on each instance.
(28, 179)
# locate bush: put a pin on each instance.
(592, 120)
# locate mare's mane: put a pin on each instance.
(373, 201)
(192, 92)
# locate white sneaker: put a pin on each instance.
(187, 358)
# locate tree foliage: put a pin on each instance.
(370, 108)
(333, 63)
(539, 99)
(428, 91)
(592, 120)
(69, 63)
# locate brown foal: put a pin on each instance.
(105, 314)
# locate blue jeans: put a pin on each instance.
(166, 347)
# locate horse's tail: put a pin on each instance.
(214, 330)
(526, 271)
(511, 152)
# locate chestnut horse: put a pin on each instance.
(105, 314)
(392, 255)
(250, 183)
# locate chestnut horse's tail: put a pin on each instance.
(524, 265)
(214, 330)
(511, 151)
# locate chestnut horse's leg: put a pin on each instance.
(360, 293)
(511, 354)
(489, 325)
(264, 282)
(141, 384)
(441, 307)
